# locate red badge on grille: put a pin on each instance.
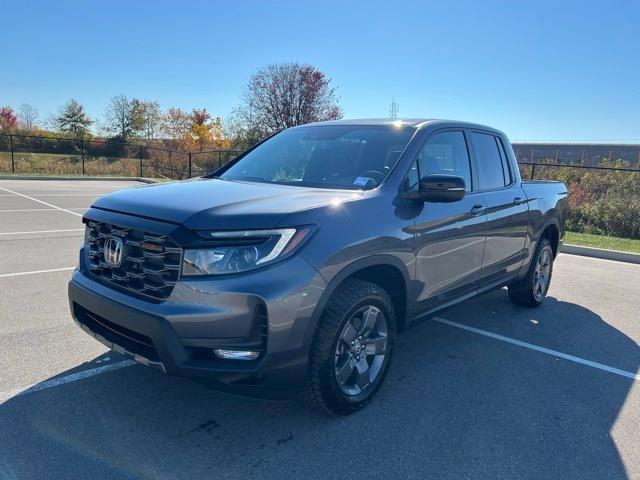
(152, 246)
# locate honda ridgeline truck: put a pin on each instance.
(294, 266)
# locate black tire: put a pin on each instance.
(323, 389)
(527, 292)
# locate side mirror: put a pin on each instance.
(442, 188)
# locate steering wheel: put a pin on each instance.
(375, 174)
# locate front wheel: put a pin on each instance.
(352, 348)
(532, 290)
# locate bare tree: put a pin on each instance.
(28, 117)
(124, 117)
(284, 95)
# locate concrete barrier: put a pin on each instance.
(601, 253)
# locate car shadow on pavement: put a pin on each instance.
(455, 404)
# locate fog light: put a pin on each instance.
(236, 354)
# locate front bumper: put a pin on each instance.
(267, 310)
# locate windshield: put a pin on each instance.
(329, 156)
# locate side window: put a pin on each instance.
(412, 179)
(446, 153)
(508, 174)
(490, 168)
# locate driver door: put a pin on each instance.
(450, 237)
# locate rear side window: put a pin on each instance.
(508, 174)
(446, 153)
(491, 172)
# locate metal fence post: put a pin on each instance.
(13, 163)
(219, 159)
(189, 164)
(140, 160)
(82, 153)
(533, 169)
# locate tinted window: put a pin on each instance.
(505, 162)
(490, 171)
(332, 156)
(446, 153)
(412, 180)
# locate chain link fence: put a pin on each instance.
(577, 154)
(41, 155)
(604, 199)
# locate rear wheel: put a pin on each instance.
(352, 348)
(531, 291)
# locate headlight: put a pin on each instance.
(237, 252)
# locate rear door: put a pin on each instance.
(506, 208)
(449, 236)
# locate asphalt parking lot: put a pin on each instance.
(485, 390)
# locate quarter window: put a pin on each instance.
(491, 173)
(446, 153)
(508, 174)
(411, 181)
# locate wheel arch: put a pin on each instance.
(385, 270)
(551, 231)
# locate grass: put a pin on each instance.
(603, 241)
(61, 164)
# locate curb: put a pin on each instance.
(39, 177)
(601, 253)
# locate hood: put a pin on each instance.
(216, 204)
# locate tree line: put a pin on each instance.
(276, 97)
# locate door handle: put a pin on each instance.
(477, 209)
(519, 201)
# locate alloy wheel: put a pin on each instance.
(361, 350)
(542, 274)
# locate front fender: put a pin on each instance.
(334, 283)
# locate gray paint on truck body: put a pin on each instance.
(441, 252)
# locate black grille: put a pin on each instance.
(150, 263)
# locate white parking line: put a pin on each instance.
(43, 231)
(19, 274)
(55, 194)
(548, 351)
(73, 377)
(40, 201)
(41, 209)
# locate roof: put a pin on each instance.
(410, 122)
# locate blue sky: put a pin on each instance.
(540, 71)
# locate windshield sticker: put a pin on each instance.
(362, 181)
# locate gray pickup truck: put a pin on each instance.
(293, 267)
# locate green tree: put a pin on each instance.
(151, 118)
(124, 117)
(72, 118)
